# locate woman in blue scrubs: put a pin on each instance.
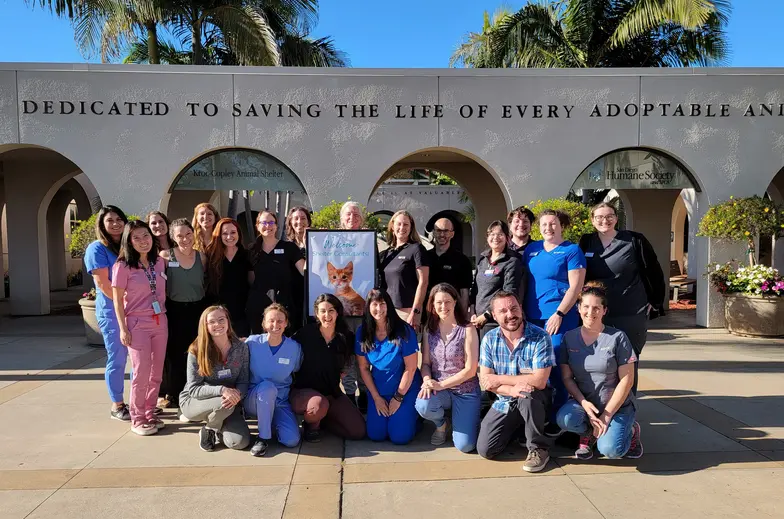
(99, 259)
(274, 358)
(388, 344)
(556, 273)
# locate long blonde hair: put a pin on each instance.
(413, 235)
(198, 241)
(204, 348)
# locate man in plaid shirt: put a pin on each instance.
(514, 363)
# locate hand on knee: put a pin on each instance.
(317, 409)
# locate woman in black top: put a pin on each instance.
(625, 263)
(499, 268)
(327, 346)
(297, 222)
(404, 268)
(228, 273)
(275, 263)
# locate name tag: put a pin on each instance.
(278, 251)
(224, 373)
(532, 254)
(156, 307)
(589, 254)
(163, 275)
(489, 272)
(401, 257)
(284, 360)
(447, 267)
(174, 264)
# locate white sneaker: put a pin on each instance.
(145, 429)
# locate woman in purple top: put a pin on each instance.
(450, 352)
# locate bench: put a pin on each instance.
(678, 281)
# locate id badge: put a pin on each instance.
(224, 373)
(489, 272)
(174, 263)
(156, 307)
(284, 360)
(278, 251)
(589, 254)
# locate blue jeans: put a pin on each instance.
(560, 394)
(615, 442)
(116, 357)
(465, 415)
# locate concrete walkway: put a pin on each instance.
(712, 420)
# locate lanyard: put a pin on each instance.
(151, 277)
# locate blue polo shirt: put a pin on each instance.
(548, 277)
(96, 256)
(387, 360)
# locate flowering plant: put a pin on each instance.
(731, 278)
(89, 295)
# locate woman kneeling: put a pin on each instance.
(385, 342)
(326, 347)
(450, 352)
(217, 380)
(274, 358)
(597, 364)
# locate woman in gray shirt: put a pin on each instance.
(597, 366)
(217, 380)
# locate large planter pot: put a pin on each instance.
(91, 329)
(754, 316)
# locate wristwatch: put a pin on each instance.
(397, 396)
(559, 313)
(417, 311)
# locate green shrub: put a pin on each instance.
(743, 220)
(328, 217)
(84, 234)
(579, 214)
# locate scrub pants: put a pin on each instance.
(615, 442)
(400, 428)
(465, 415)
(227, 421)
(147, 351)
(272, 412)
(636, 329)
(116, 357)
(560, 394)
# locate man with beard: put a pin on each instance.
(519, 221)
(447, 263)
(514, 363)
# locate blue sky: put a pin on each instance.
(405, 33)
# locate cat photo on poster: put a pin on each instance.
(342, 263)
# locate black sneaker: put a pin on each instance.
(551, 430)
(206, 439)
(259, 448)
(312, 435)
(121, 413)
(635, 449)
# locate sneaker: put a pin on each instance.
(536, 461)
(163, 402)
(206, 439)
(551, 430)
(121, 413)
(439, 436)
(312, 435)
(158, 423)
(585, 450)
(145, 429)
(259, 448)
(635, 449)
(184, 419)
(158, 411)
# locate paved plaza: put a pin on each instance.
(711, 409)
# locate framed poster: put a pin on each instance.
(342, 263)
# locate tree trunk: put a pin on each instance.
(196, 49)
(152, 44)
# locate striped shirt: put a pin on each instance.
(533, 351)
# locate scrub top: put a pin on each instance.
(618, 268)
(274, 280)
(399, 272)
(595, 366)
(233, 289)
(548, 277)
(386, 358)
(99, 256)
(139, 298)
(277, 367)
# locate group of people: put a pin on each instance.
(220, 332)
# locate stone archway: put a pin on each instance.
(487, 195)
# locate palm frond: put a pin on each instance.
(302, 51)
(246, 32)
(644, 16)
(138, 52)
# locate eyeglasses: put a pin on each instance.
(268, 224)
(608, 218)
(442, 231)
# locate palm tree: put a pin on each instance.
(474, 52)
(603, 33)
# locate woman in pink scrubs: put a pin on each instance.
(139, 289)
